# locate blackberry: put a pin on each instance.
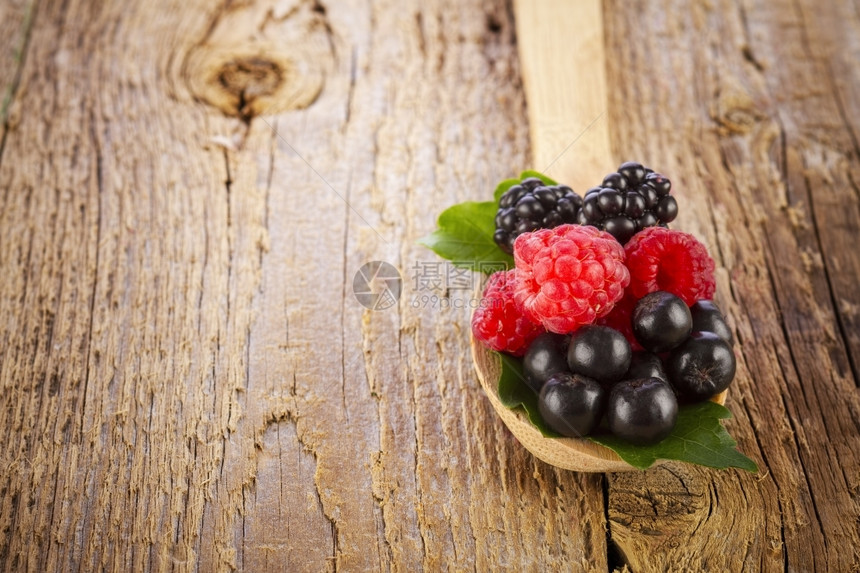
(531, 205)
(629, 200)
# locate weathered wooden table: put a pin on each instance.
(187, 188)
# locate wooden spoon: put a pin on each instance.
(562, 61)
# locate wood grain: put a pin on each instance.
(187, 189)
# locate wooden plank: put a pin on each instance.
(188, 382)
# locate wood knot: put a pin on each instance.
(245, 82)
(256, 60)
(734, 110)
(250, 77)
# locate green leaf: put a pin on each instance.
(698, 438)
(515, 393)
(465, 237)
(531, 173)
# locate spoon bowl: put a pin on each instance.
(575, 454)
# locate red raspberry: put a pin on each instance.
(672, 261)
(499, 322)
(621, 319)
(568, 276)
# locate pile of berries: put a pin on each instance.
(631, 199)
(613, 335)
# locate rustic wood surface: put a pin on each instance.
(187, 189)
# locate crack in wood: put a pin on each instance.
(98, 246)
(615, 559)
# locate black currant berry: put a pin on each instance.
(661, 321)
(599, 352)
(571, 404)
(645, 365)
(708, 318)
(545, 357)
(701, 367)
(642, 411)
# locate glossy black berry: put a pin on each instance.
(529, 207)
(531, 183)
(635, 206)
(610, 201)
(646, 220)
(622, 228)
(589, 207)
(511, 196)
(708, 318)
(545, 357)
(525, 226)
(571, 404)
(568, 206)
(642, 411)
(615, 181)
(599, 352)
(660, 183)
(532, 205)
(645, 364)
(702, 366)
(661, 321)
(628, 201)
(666, 209)
(651, 198)
(633, 172)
